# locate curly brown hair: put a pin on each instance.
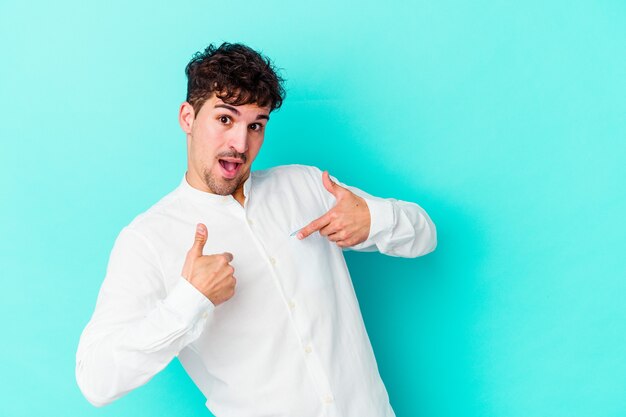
(237, 75)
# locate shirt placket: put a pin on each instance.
(296, 315)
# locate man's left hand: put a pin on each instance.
(347, 223)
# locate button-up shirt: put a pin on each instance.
(291, 341)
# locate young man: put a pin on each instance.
(241, 274)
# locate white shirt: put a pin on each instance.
(290, 343)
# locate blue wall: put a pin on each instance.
(505, 121)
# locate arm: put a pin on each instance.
(398, 228)
(362, 222)
(138, 325)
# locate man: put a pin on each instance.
(241, 274)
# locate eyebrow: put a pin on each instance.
(238, 113)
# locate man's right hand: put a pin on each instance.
(212, 275)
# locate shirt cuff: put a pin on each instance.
(381, 216)
(189, 303)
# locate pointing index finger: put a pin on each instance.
(314, 226)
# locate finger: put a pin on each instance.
(223, 275)
(328, 183)
(334, 237)
(199, 241)
(331, 186)
(329, 229)
(228, 256)
(344, 244)
(337, 237)
(314, 226)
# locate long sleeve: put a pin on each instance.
(139, 324)
(398, 228)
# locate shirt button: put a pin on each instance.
(250, 222)
(272, 261)
(328, 399)
(205, 315)
(291, 305)
(308, 349)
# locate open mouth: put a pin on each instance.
(230, 168)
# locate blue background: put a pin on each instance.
(505, 121)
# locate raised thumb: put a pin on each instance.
(199, 241)
(330, 186)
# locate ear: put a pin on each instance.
(186, 116)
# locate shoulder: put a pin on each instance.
(288, 174)
(164, 211)
(300, 185)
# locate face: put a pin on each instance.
(222, 142)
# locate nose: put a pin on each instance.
(238, 139)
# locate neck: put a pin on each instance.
(239, 195)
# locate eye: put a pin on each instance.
(257, 127)
(224, 119)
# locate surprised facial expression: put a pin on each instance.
(222, 142)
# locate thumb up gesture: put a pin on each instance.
(347, 223)
(212, 275)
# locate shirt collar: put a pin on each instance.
(206, 197)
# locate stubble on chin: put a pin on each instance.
(221, 186)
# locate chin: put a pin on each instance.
(222, 186)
